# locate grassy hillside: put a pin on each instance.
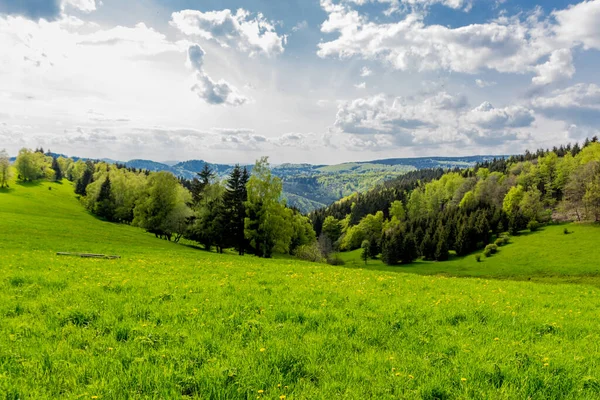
(548, 255)
(167, 321)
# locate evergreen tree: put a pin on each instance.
(104, 206)
(365, 253)
(409, 249)
(391, 247)
(441, 243)
(85, 180)
(234, 208)
(58, 175)
(428, 247)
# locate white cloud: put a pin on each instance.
(507, 44)
(558, 67)
(483, 84)
(362, 85)
(252, 35)
(578, 104)
(212, 92)
(81, 5)
(579, 24)
(435, 120)
(365, 71)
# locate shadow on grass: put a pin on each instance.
(29, 183)
(6, 189)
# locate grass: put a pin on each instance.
(169, 321)
(546, 256)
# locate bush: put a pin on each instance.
(533, 225)
(505, 238)
(566, 231)
(309, 252)
(478, 257)
(334, 259)
(490, 249)
(499, 242)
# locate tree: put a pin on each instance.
(30, 165)
(86, 178)
(409, 247)
(104, 206)
(234, 200)
(397, 211)
(391, 246)
(5, 171)
(58, 175)
(332, 229)
(366, 251)
(441, 243)
(268, 222)
(591, 199)
(163, 208)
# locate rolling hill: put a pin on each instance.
(167, 320)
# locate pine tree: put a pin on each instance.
(58, 175)
(104, 206)
(409, 249)
(441, 243)
(234, 208)
(84, 181)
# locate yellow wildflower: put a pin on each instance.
(463, 379)
(261, 391)
(262, 349)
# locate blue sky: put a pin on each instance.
(321, 81)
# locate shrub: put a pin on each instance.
(490, 249)
(335, 259)
(566, 231)
(478, 257)
(533, 225)
(499, 242)
(309, 252)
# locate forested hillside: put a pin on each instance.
(428, 213)
(309, 187)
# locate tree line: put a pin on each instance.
(428, 213)
(245, 212)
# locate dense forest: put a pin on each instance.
(425, 213)
(428, 213)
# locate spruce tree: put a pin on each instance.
(58, 175)
(409, 249)
(104, 205)
(441, 243)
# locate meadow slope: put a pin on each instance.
(167, 321)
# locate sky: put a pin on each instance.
(315, 81)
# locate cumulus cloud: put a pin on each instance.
(578, 104)
(507, 44)
(397, 5)
(212, 92)
(437, 119)
(558, 67)
(579, 24)
(254, 35)
(81, 5)
(362, 85)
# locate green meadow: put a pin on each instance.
(170, 321)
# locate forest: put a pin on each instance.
(426, 213)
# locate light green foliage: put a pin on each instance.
(268, 225)
(163, 208)
(512, 200)
(75, 170)
(332, 228)
(32, 166)
(352, 238)
(168, 321)
(531, 205)
(5, 169)
(397, 211)
(416, 204)
(469, 201)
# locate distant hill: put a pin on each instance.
(308, 186)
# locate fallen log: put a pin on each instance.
(88, 255)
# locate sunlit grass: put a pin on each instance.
(167, 320)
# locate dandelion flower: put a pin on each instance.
(463, 379)
(496, 339)
(282, 397)
(262, 349)
(411, 377)
(261, 391)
